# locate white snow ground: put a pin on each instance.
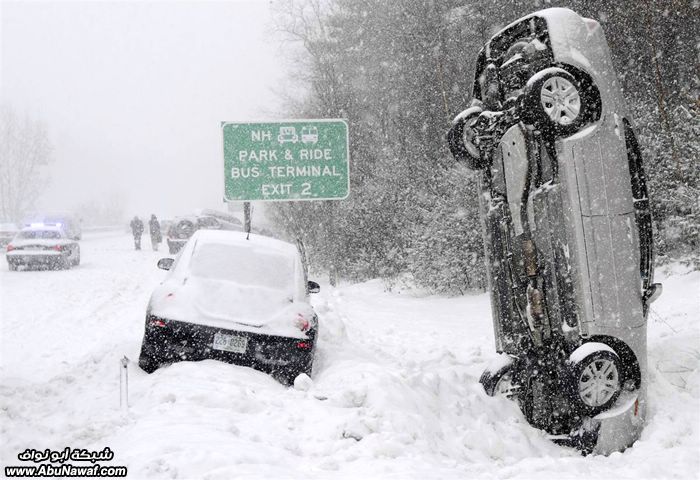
(394, 391)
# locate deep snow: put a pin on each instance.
(394, 391)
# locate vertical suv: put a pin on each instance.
(567, 229)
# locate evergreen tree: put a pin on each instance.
(399, 71)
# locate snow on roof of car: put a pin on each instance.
(241, 239)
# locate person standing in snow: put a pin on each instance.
(154, 228)
(137, 231)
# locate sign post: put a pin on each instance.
(286, 161)
(246, 216)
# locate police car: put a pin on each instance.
(41, 245)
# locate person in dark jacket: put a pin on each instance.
(154, 228)
(137, 231)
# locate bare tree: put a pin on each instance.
(25, 151)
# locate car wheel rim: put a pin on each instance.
(468, 138)
(505, 386)
(599, 382)
(560, 100)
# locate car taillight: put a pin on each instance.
(304, 345)
(58, 248)
(10, 247)
(302, 323)
(157, 322)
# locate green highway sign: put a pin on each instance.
(289, 160)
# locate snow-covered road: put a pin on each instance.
(394, 392)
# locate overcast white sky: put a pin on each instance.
(133, 93)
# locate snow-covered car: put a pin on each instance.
(182, 228)
(236, 298)
(567, 229)
(7, 233)
(42, 246)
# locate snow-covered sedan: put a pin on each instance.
(47, 246)
(238, 298)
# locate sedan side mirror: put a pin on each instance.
(312, 287)
(165, 263)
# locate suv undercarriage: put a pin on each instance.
(567, 228)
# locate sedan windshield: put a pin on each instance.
(40, 234)
(243, 265)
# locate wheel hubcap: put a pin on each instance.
(599, 382)
(560, 100)
(505, 386)
(469, 139)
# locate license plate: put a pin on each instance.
(230, 343)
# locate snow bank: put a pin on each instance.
(394, 392)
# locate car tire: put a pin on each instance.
(149, 360)
(498, 378)
(290, 374)
(460, 139)
(76, 262)
(12, 266)
(63, 263)
(302, 364)
(595, 380)
(558, 103)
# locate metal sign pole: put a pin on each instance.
(124, 383)
(246, 216)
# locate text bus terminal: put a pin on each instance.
(283, 172)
